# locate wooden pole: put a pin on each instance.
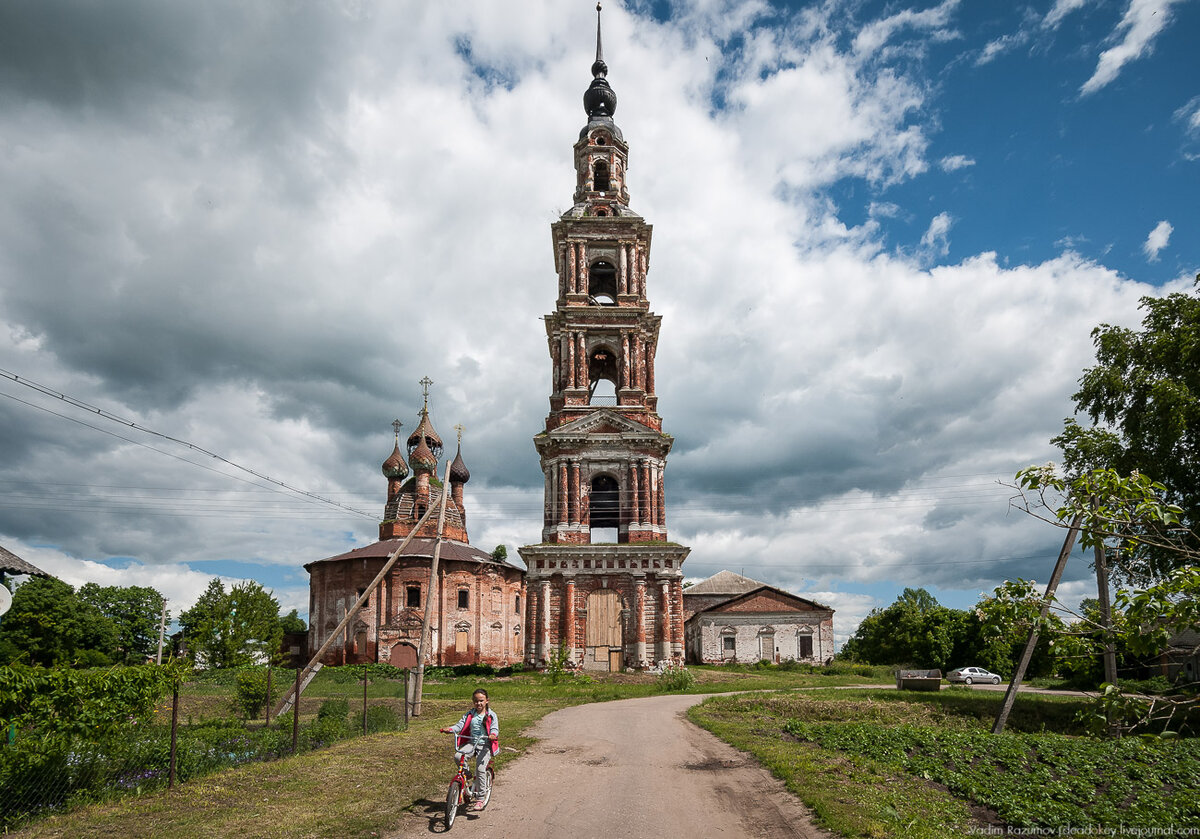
(296, 715)
(353, 610)
(1110, 649)
(162, 631)
(1010, 695)
(429, 597)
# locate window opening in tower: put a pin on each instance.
(600, 176)
(602, 283)
(604, 503)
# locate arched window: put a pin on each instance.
(600, 176)
(604, 502)
(602, 283)
(602, 376)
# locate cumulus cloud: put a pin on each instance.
(260, 242)
(1060, 10)
(1140, 25)
(1157, 240)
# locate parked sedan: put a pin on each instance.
(967, 675)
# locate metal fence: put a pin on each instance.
(202, 728)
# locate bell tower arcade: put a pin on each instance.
(605, 584)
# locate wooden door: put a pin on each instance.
(603, 629)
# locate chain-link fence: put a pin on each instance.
(214, 721)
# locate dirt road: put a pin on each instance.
(626, 770)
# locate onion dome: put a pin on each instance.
(459, 473)
(599, 100)
(426, 436)
(422, 458)
(394, 468)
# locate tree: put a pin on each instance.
(292, 623)
(49, 625)
(229, 629)
(1145, 389)
(136, 612)
(915, 629)
(500, 553)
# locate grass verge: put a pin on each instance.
(890, 763)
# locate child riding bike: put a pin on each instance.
(478, 736)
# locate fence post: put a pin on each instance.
(174, 729)
(268, 725)
(407, 676)
(364, 701)
(296, 713)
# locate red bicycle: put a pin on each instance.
(462, 788)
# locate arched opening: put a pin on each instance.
(604, 506)
(602, 282)
(602, 376)
(600, 176)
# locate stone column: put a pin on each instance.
(639, 602)
(575, 518)
(635, 496)
(677, 619)
(662, 500)
(568, 609)
(562, 491)
(544, 628)
(650, 349)
(645, 503)
(581, 360)
(569, 358)
(664, 622)
(572, 267)
(652, 473)
(625, 361)
(623, 270)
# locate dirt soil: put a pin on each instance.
(625, 770)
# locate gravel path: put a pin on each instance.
(626, 770)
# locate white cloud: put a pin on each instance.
(954, 162)
(1142, 22)
(1157, 240)
(936, 239)
(1060, 10)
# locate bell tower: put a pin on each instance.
(605, 585)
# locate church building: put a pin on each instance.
(478, 609)
(605, 584)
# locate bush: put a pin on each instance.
(337, 709)
(675, 678)
(379, 718)
(250, 693)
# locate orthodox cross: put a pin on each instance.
(425, 383)
(459, 429)
(396, 424)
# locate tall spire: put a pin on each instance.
(599, 99)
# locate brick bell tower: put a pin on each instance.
(605, 587)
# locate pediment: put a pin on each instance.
(603, 421)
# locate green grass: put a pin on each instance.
(367, 784)
(892, 763)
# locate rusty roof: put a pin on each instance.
(451, 551)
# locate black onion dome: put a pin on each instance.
(394, 466)
(599, 99)
(459, 474)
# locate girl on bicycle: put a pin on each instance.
(478, 735)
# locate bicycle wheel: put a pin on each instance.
(487, 796)
(452, 798)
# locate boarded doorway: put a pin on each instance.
(403, 655)
(603, 635)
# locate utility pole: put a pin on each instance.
(433, 590)
(1010, 695)
(162, 631)
(1110, 650)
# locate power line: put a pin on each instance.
(100, 412)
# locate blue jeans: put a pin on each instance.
(483, 756)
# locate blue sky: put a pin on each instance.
(883, 233)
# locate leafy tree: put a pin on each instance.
(136, 612)
(915, 629)
(500, 553)
(229, 629)
(1145, 390)
(49, 625)
(292, 622)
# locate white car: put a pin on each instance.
(967, 675)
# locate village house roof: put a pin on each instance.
(10, 563)
(724, 582)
